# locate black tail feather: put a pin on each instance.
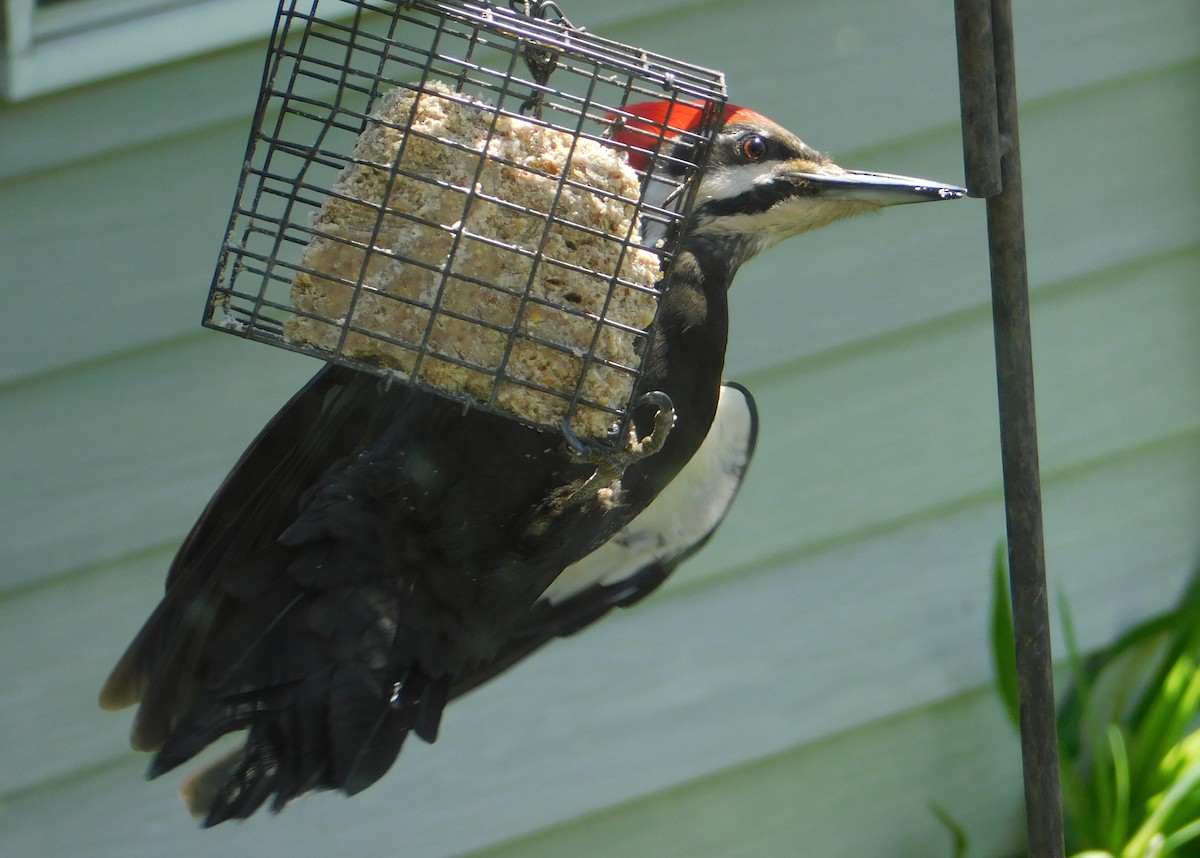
(377, 754)
(252, 780)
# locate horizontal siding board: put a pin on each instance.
(1112, 162)
(864, 792)
(813, 64)
(1092, 382)
(679, 688)
(120, 457)
(134, 256)
(848, 586)
(890, 68)
(869, 791)
(61, 641)
(829, 55)
(171, 100)
(134, 260)
(1087, 208)
(879, 434)
(133, 112)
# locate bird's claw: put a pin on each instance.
(611, 462)
(578, 450)
(664, 422)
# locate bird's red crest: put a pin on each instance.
(652, 121)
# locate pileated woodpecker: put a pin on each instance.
(378, 551)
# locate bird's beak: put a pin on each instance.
(876, 189)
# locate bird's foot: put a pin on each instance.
(611, 462)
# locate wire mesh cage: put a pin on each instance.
(432, 192)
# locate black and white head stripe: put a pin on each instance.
(764, 184)
(761, 182)
(754, 165)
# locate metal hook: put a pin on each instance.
(541, 60)
(542, 9)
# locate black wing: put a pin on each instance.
(341, 407)
(368, 547)
(330, 602)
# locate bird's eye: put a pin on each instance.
(753, 147)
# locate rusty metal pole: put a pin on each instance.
(987, 80)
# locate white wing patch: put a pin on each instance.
(684, 513)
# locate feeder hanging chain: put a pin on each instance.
(540, 61)
(542, 9)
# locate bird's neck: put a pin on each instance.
(688, 352)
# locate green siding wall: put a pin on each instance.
(815, 678)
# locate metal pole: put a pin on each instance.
(988, 143)
(977, 93)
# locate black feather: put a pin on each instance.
(374, 553)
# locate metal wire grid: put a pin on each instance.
(327, 66)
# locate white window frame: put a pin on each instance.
(68, 44)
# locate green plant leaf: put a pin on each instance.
(1181, 758)
(1166, 625)
(1077, 804)
(1004, 639)
(1129, 747)
(1149, 838)
(1184, 625)
(1118, 825)
(1095, 797)
(1182, 837)
(1159, 731)
(961, 843)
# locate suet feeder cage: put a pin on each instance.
(432, 192)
